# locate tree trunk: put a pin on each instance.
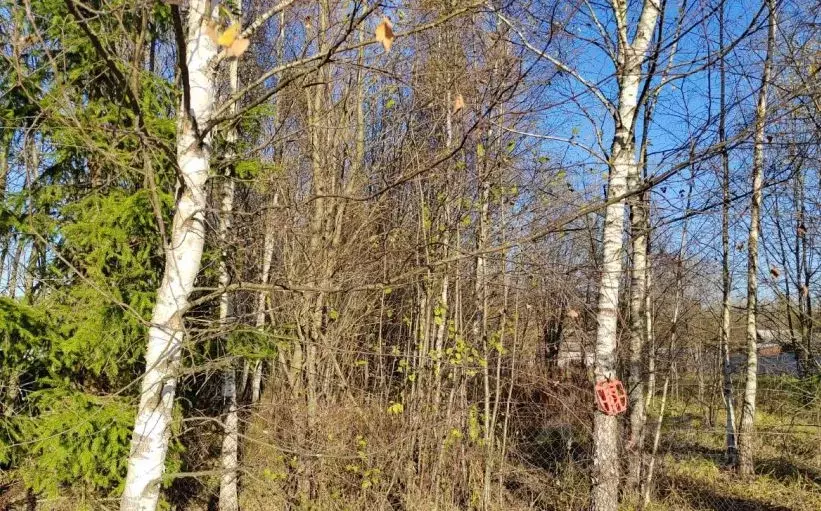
(726, 370)
(651, 346)
(605, 427)
(14, 266)
(746, 434)
(803, 351)
(647, 483)
(228, 500)
(797, 345)
(605, 494)
(638, 323)
(480, 324)
(679, 290)
(150, 439)
(5, 148)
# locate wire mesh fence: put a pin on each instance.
(435, 448)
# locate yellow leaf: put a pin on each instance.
(227, 38)
(238, 47)
(458, 103)
(384, 33)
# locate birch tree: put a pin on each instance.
(629, 60)
(200, 54)
(726, 282)
(228, 500)
(746, 433)
(671, 347)
(641, 325)
(149, 443)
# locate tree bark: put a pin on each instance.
(480, 323)
(605, 495)
(638, 323)
(746, 434)
(228, 499)
(726, 284)
(151, 434)
(5, 148)
(674, 323)
(803, 352)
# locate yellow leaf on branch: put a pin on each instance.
(384, 33)
(227, 38)
(458, 103)
(238, 47)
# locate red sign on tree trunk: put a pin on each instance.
(611, 397)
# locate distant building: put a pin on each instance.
(772, 357)
(575, 349)
(769, 349)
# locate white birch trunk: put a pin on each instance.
(605, 427)
(230, 441)
(259, 314)
(651, 465)
(726, 370)
(229, 457)
(259, 321)
(480, 324)
(651, 345)
(746, 433)
(638, 323)
(443, 298)
(149, 443)
(256, 382)
(605, 495)
(679, 286)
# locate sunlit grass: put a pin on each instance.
(693, 475)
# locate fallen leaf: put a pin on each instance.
(572, 313)
(384, 33)
(227, 38)
(238, 47)
(458, 103)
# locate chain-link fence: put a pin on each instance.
(526, 441)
